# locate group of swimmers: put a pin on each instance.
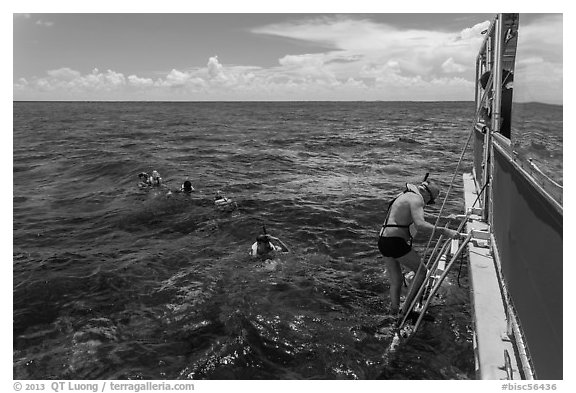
(405, 216)
(147, 180)
(265, 246)
(155, 180)
(220, 201)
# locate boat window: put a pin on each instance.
(537, 108)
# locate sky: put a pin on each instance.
(269, 56)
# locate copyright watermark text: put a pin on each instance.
(103, 386)
(529, 386)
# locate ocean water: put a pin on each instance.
(537, 134)
(113, 281)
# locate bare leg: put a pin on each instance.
(395, 275)
(412, 261)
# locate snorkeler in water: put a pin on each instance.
(144, 180)
(223, 203)
(156, 179)
(187, 187)
(267, 246)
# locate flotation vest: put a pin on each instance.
(222, 201)
(410, 227)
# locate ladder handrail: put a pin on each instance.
(435, 289)
(429, 273)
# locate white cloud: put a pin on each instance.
(450, 66)
(40, 22)
(114, 78)
(367, 60)
(70, 82)
(296, 78)
(474, 32)
(98, 81)
(215, 69)
(20, 84)
(138, 82)
(176, 79)
(65, 74)
(362, 47)
(302, 61)
(538, 74)
(37, 22)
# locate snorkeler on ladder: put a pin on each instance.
(434, 260)
(406, 213)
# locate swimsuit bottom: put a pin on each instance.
(393, 247)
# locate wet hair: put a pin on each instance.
(262, 239)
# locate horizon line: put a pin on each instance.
(261, 101)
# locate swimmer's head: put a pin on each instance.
(262, 239)
(187, 186)
(432, 190)
(263, 246)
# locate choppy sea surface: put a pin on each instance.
(112, 281)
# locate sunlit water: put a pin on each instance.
(111, 281)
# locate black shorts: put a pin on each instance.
(393, 247)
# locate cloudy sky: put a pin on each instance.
(270, 56)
